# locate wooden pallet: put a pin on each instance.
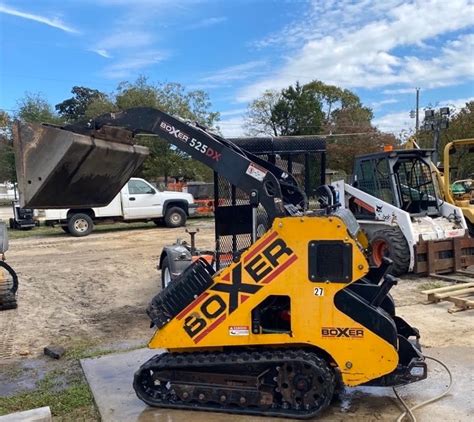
(462, 295)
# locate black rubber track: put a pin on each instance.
(243, 363)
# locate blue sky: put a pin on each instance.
(237, 49)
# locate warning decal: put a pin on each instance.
(256, 172)
(239, 330)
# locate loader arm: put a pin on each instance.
(277, 191)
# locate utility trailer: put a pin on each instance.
(303, 157)
(396, 199)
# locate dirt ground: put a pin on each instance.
(94, 288)
(97, 288)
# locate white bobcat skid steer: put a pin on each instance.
(396, 200)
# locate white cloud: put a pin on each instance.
(205, 23)
(131, 66)
(133, 50)
(235, 73)
(378, 104)
(400, 121)
(357, 45)
(102, 52)
(126, 39)
(232, 127)
(50, 21)
(399, 91)
(233, 112)
(395, 122)
(455, 105)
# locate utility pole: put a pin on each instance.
(417, 119)
(434, 122)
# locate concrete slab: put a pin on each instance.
(110, 378)
(41, 414)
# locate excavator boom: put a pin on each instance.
(89, 163)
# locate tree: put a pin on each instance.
(461, 126)
(319, 109)
(33, 107)
(7, 156)
(297, 112)
(331, 96)
(164, 159)
(258, 120)
(74, 109)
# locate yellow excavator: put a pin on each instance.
(293, 318)
(459, 192)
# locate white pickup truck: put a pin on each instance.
(137, 201)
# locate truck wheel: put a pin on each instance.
(80, 225)
(392, 244)
(175, 217)
(165, 273)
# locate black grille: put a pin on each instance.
(329, 261)
(180, 293)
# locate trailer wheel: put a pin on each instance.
(392, 244)
(175, 217)
(80, 225)
(165, 273)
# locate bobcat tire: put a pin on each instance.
(391, 243)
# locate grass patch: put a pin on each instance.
(50, 391)
(431, 285)
(45, 231)
(64, 390)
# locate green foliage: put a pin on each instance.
(461, 126)
(7, 156)
(316, 108)
(74, 109)
(164, 160)
(258, 120)
(99, 106)
(297, 112)
(35, 108)
(7, 161)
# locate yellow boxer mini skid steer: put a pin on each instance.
(295, 316)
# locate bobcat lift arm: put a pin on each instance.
(90, 163)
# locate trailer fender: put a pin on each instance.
(179, 258)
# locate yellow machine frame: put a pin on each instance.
(465, 205)
(279, 260)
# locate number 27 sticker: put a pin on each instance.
(318, 291)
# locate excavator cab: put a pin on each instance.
(402, 178)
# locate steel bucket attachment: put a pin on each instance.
(61, 169)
